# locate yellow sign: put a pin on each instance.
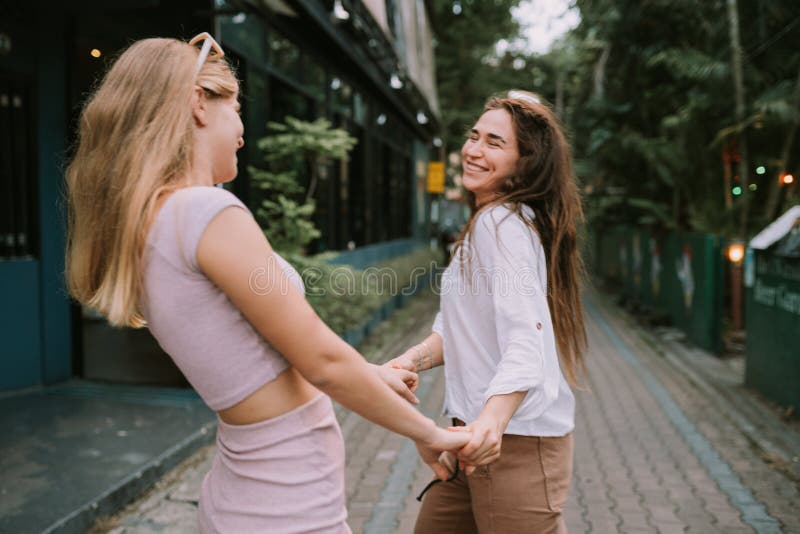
(436, 177)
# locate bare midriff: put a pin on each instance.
(277, 397)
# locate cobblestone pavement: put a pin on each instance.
(654, 451)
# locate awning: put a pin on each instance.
(776, 231)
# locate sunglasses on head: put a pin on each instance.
(209, 44)
(525, 96)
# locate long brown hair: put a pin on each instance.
(135, 143)
(544, 181)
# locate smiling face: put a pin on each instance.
(489, 155)
(226, 131)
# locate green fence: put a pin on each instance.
(678, 273)
(773, 328)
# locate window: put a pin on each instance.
(315, 77)
(288, 101)
(391, 17)
(245, 33)
(360, 111)
(341, 96)
(17, 176)
(285, 55)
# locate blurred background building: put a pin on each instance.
(366, 66)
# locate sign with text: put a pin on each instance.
(436, 177)
(777, 296)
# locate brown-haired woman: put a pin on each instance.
(152, 241)
(510, 330)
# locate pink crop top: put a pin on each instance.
(217, 349)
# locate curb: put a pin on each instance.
(720, 396)
(752, 510)
(133, 486)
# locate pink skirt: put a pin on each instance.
(283, 475)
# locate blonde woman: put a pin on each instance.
(153, 242)
(510, 329)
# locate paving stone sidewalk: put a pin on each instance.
(653, 451)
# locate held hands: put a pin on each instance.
(443, 440)
(403, 382)
(431, 457)
(484, 445)
(416, 359)
(406, 361)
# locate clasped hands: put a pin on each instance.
(481, 439)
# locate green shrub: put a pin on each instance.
(285, 206)
(345, 298)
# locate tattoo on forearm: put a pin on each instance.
(420, 363)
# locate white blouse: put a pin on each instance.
(495, 324)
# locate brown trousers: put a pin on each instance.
(524, 491)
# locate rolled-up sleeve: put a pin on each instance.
(512, 255)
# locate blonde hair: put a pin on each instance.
(135, 143)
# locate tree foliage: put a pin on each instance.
(286, 208)
(468, 66)
(650, 104)
(646, 89)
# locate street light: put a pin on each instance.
(787, 179)
(339, 12)
(395, 82)
(735, 254)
